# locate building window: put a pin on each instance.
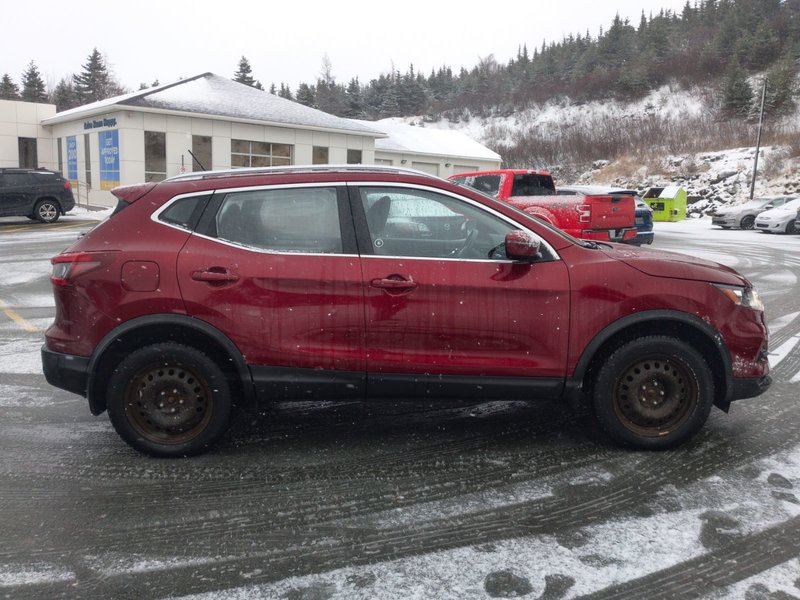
(87, 159)
(155, 155)
(201, 153)
(245, 153)
(354, 157)
(28, 156)
(319, 156)
(60, 156)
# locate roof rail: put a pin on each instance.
(245, 171)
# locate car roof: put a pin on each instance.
(297, 169)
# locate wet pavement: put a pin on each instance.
(406, 500)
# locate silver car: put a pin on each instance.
(744, 215)
(779, 219)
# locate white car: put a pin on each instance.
(744, 215)
(780, 219)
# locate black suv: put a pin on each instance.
(38, 194)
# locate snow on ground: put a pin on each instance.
(688, 524)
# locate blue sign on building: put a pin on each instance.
(109, 159)
(72, 158)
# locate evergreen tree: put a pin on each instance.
(273, 90)
(354, 100)
(244, 75)
(64, 96)
(305, 94)
(285, 92)
(737, 95)
(33, 88)
(94, 82)
(8, 89)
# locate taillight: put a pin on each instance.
(585, 213)
(67, 267)
(67, 184)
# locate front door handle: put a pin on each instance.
(394, 283)
(215, 275)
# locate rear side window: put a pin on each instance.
(531, 184)
(282, 220)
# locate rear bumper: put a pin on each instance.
(66, 371)
(749, 387)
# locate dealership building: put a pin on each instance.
(211, 122)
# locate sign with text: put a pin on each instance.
(109, 159)
(72, 159)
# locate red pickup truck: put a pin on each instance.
(609, 218)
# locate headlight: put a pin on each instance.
(742, 296)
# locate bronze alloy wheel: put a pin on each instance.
(168, 403)
(655, 395)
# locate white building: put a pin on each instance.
(211, 122)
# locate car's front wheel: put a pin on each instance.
(653, 393)
(747, 222)
(46, 211)
(169, 400)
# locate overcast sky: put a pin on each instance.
(286, 41)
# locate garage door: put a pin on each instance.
(432, 168)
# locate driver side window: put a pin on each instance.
(418, 223)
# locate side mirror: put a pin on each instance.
(768, 206)
(521, 245)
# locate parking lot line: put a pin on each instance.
(19, 320)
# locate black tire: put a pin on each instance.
(653, 393)
(790, 227)
(747, 223)
(169, 400)
(46, 211)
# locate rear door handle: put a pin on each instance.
(215, 275)
(395, 283)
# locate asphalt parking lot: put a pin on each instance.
(408, 500)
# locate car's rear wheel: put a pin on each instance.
(653, 393)
(747, 222)
(791, 227)
(46, 211)
(169, 400)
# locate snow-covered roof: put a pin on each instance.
(670, 192)
(422, 140)
(216, 96)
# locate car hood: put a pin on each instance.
(672, 265)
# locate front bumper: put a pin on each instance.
(66, 371)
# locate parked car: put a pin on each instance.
(602, 218)
(643, 213)
(780, 219)
(744, 215)
(38, 194)
(797, 220)
(220, 289)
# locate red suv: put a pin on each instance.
(217, 289)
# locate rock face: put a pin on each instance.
(711, 179)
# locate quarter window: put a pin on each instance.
(419, 223)
(283, 220)
(246, 153)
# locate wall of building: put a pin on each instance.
(179, 130)
(442, 166)
(23, 119)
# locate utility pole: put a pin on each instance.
(758, 138)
